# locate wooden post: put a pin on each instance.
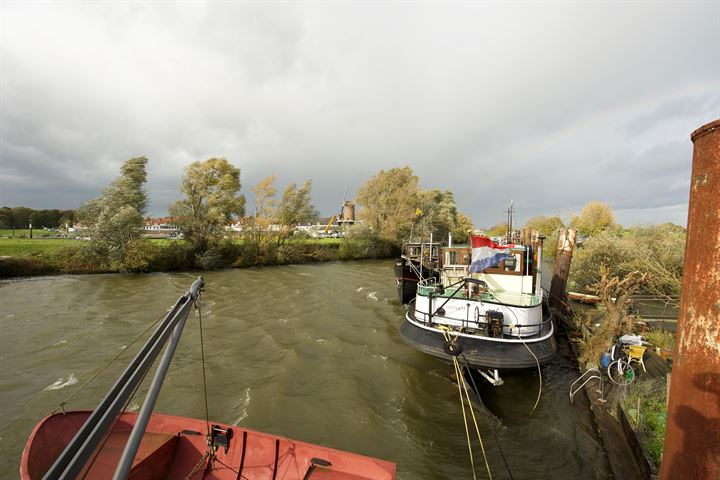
(692, 438)
(563, 257)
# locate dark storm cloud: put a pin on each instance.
(551, 105)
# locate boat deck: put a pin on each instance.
(175, 448)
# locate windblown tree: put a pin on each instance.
(264, 208)
(295, 207)
(463, 225)
(211, 201)
(437, 211)
(115, 219)
(545, 225)
(594, 218)
(439, 214)
(389, 202)
(499, 230)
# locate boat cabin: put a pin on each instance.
(515, 275)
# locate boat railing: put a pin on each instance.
(479, 323)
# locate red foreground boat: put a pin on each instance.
(112, 443)
(175, 447)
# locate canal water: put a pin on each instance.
(310, 352)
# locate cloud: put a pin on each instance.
(551, 105)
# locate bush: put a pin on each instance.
(25, 266)
(137, 256)
(656, 250)
(661, 339)
(362, 243)
(174, 256)
(78, 259)
(646, 407)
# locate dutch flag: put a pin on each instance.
(486, 253)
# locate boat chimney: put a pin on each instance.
(693, 406)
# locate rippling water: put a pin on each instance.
(310, 352)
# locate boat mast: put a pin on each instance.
(510, 212)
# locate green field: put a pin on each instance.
(23, 247)
(25, 233)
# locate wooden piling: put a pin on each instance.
(563, 257)
(692, 437)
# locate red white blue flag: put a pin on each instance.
(486, 253)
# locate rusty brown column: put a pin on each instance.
(563, 257)
(692, 439)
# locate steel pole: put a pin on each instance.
(692, 438)
(131, 447)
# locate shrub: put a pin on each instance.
(137, 256)
(25, 266)
(646, 407)
(656, 250)
(174, 256)
(78, 259)
(362, 243)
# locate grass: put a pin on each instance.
(646, 408)
(661, 338)
(23, 247)
(25, 233)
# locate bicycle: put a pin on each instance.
(620, 372)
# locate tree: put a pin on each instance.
(438, 212)
(21, 216)
(594, 218)
(545, 225)
(115, 218)
(441, 216)
(6, 217)
(264, 202)
(295, 207)
(463, 225)
(499, 230)
(389, 202)
(211, 200)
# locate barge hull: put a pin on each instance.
(481, 354)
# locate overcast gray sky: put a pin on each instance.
(550, 104)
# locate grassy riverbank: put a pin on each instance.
(21, 257)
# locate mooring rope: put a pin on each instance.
(202, 356)
(463, 386)
(487, 417)
(122, 352)
(537, 362)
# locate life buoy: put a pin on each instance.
(452, 349)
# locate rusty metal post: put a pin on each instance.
(692, 439)
(563, 257)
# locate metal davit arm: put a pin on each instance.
(76, 454)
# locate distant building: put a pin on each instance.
(162, 224)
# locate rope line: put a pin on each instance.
(197, 466)
(487, 417)
(537, 400)
(122, 352)
(537, 362)
(463, 386)
(100, 448)
(202, 355)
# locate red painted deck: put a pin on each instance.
(174, 446)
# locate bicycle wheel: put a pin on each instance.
(621, 372)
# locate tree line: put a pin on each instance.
(392, 205)
(22, 217)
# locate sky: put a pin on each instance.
(548, 104)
